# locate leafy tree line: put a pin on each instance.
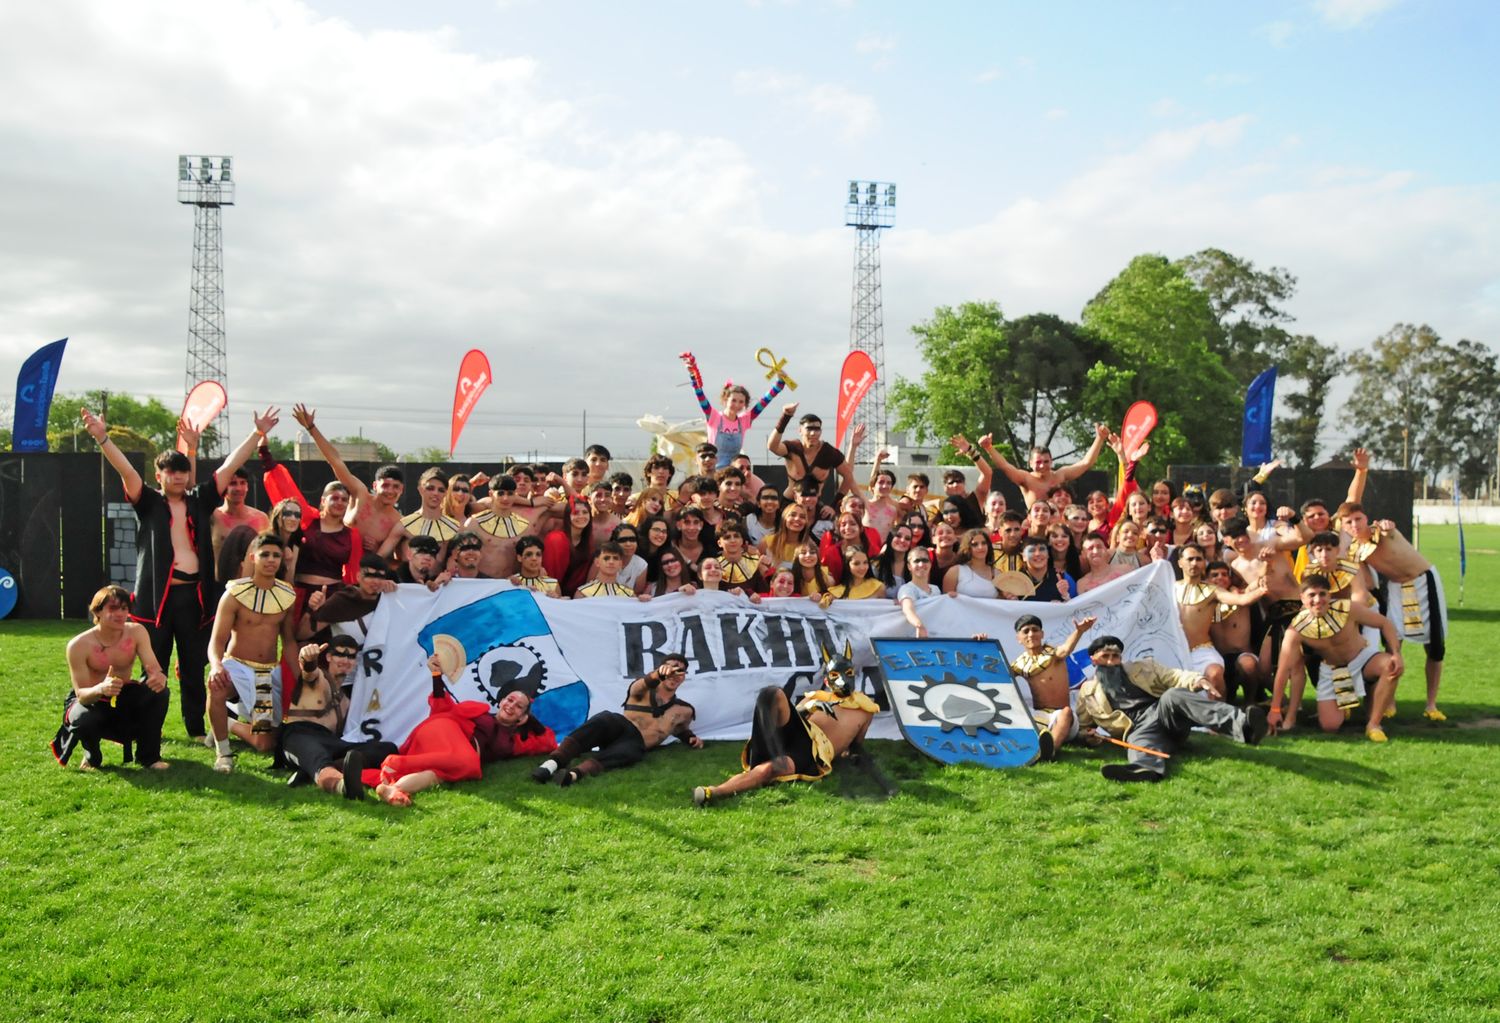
(1189, 335)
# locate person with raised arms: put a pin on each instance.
(727, 428)
(810, 456)
(373, 510)
(1411, 590)
(1198, 604)
(175, 588)
(1039, 481)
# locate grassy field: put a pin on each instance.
(1314, 878)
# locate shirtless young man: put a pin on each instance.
(175, 589)
(1230, 633)
(1332, 630)
(601, 503)
(881, 510)
(652, 713)
(1198, 603)
(373, 510)
(1096, 559)
(1036, 484)
(235, 512)
(499, 528)
(531, 575)
(427, 520)
(243, 656)
(1044, 668)
(1263, 562)
(801, 743)
(1346, 580)
(108, 703)
(1410, 591)
(811, 455)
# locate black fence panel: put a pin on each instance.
(1388, 492)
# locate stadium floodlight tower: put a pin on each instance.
(870, 209)
(206, 183)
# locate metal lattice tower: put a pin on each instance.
(207, 183)
(871, 207)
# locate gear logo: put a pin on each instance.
(965, 704)
(955, 701)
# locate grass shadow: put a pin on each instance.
(1306, 764)
(1473, 614)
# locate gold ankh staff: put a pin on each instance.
(776, 368)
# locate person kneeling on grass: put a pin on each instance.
(652, 712)
(800, 743)
(106, 702)
(1155, 707)
(456, 738)
(312, 730)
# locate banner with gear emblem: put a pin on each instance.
(579, 656)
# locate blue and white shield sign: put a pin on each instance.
(955, 700)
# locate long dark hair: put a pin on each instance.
(656, 579)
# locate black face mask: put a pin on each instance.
(1123, 694)
(840, 677)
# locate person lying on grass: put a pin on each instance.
(1155, 707)
(652, 713)
(455, 740)
(800, 743)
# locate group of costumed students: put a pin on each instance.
(273, 605)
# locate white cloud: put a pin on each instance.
(1278, 32)
(1166, 107)
(875, 44)
(988, 75)
(852, 114)
(402, 200)
(1055, 114)
(1344, 14)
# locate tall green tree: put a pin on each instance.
(1248, 304)
(1468, 414)
(1164, 341)
(1305, 359)
(1022, 380)
(1395, 403)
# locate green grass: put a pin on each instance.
(1315, 878)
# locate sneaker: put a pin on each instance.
(1376, 734)
(1047, 744)
(567, 778)
(702, 794)
(1256, 725)
(224, 763)
(1431, 715)
(298, 780)
(1129, 772)
(541, 774)
(351, 786)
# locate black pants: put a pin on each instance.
(310, 748)
(619, 742)
(182, 623)
(136, 718)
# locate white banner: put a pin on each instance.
(583, 654)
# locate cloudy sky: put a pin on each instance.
(583, 190)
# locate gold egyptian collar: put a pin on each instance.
(1360, 550)
(1028, 665)
(1193, 594)
(1325, 625)
(273, 600)
(504, 526)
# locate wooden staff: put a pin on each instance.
(1138, 749)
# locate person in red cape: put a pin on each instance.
(456, 738)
